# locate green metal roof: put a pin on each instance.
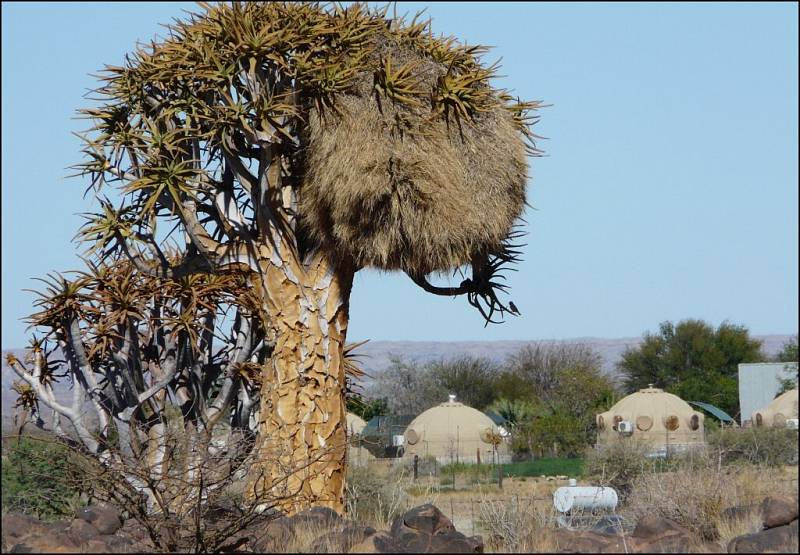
(715, 411)
(496, 418)
(387, 425)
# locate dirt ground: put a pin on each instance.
(463, 506)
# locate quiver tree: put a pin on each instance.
(295, 144)
(150, 383)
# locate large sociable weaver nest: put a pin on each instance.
(404, 181)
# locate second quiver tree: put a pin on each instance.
(292, 145)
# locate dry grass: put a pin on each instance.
(696, 496)
(304, 537)
(727, 529)
(517, 527)
(520, 518)
(376, 494)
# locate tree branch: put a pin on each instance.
(43, 393)
(463, 289)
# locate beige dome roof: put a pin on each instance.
(357, 454)
(452, 431)
(354, 424)
(655, 415)
(781, 408)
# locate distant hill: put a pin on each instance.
(375, 357)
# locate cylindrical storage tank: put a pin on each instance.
(584, 498)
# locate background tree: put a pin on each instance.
(470, 379)
(542, 366)
(565, 385)
(407, 386)
(692, 360)
(295, 144)
(549, 393)
(411, 387)
(367, 409)
(788, 352)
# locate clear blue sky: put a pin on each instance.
(670, 189)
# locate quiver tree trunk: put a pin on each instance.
(300, 457)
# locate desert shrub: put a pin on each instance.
(373, 496)
(693, 498)
(697, 492)
(762, 446)
(200, 510)
(618, 464)
(39, 478)
(517, 527)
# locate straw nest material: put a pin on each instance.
(397, 188)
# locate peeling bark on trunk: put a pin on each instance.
(300, 458)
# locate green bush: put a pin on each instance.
(39, 478)
(767, 446)
(619, 464)
(554, 435)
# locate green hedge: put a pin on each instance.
(536, 467)
(548, 467)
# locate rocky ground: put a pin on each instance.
(423, 529)
(659, 535)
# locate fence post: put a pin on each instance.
(416, 467)
(472, 514)
(500, 475)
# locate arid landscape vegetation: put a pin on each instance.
(719, 497)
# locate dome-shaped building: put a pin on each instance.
(453, 432)
(661, 419)
(776, 414)
(354, 424)
(357, 454)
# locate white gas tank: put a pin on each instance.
(584, 498)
